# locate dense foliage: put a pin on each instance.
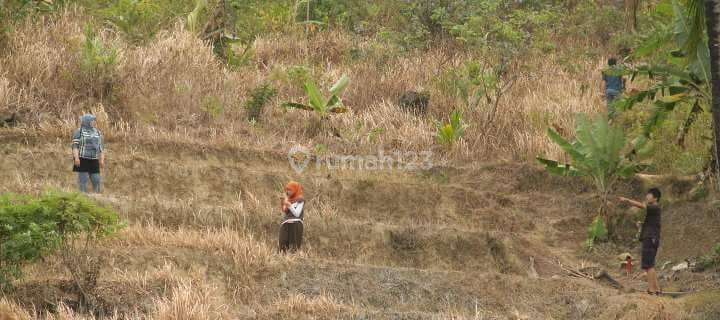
(670, 64)
(601, 153)
(33, 227)
(259, 97)
(709, 261)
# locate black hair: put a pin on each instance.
(655, 192)
(612, 61)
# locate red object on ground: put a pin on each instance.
(628, 264)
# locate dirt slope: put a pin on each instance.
(448, 242)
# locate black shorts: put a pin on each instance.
(649, 251)
(88, 165)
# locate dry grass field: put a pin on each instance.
(198, 192)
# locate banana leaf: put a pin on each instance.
(340, 86)
(565, 145)
(631, 169)
(315, 98)
(288, 105)
(557, 168)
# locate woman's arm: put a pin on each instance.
(76, 155)
(76, 147)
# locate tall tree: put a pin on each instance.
(711, 26)
(631, 9)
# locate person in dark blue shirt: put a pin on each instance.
(614, 85)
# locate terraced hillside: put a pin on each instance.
(444, 243)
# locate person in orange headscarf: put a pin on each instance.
(291, 229)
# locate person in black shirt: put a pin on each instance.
(649, 235)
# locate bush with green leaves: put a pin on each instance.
(136, 19)
(318, 103)
(33, 227)
(212, 107)
(258, 98)
(478, 84)
(253, 17)
(677, 96)
(709, 261)
(597, 231)
(599, 152)
(98, 62)
(451, 132)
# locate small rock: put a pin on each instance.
(8, 121)
(311, 291)
(681, 266)
(664, 265)
(414, 102)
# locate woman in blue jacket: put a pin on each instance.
(88, 155)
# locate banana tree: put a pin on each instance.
(318, 103)
(710, 11)
(684, 71)
(599, 152)
(680, 74)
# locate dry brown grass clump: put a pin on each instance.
(190, 301)
(176, 81)
(42, 68)
(299, 306)
(11, 311)
(244, 250)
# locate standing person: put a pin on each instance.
(88, 155)
(649, 235)
(613, 85)
(291, 229)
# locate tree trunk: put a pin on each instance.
(711, 21)
(631, 8)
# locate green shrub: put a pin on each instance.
(136, 19)
(212, 107)
(97, 64)
(259, 97)
(254, 17)
(449, 133)
(474, 83)
(710, 260)
(597, 231)
(297, 75)
(32, 227)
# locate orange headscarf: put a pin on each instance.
(297, 191)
